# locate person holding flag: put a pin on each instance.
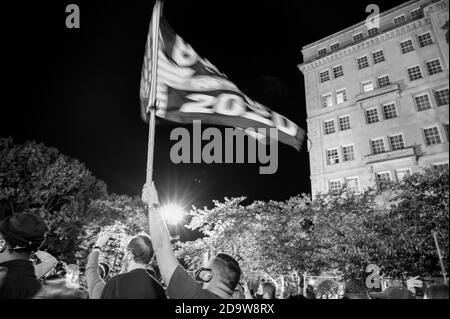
(180, 86)
(216, 280)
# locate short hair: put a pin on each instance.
(230, 272)
(141, 248)
(269, 288)
(438, 291)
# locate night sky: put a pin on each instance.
(78, 89)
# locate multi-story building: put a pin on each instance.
(378, 99)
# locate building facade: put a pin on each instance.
(378, 98)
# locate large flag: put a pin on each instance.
(189, 88)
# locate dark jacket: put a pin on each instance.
(20, 281)
(136, 284)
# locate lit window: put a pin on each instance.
(378, 57)
(417, 13)
(377, 146)
(329, 127)
(432, 136)
(372, 31)
(441, 167)
(341, 96)
(383, 81)
(400, 19)
(396, 142)
(334, 186)
(322, 52)
(338, 71)
(403, 173)
(441, 97)
(389, 111)
(332, 156)
(326, 100)
(363, 62)
(344, 123)
(434, 66)
(422, 102)
(367, 86)
(324, 76)
(357, 37)
(352, 184)
(414, 73)
(372, 115)
(407, 46)
(334, 46)
(425, 39)
(383, 178)
(348, 153)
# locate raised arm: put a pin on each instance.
(167, 261)
(94, 282)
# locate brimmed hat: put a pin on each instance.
(393, 293)
(48, 263)
(24, 231)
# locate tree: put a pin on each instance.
(339, 233)
(39, 179)
(423, 207)
(120, 215)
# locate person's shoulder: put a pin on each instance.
(136, 274)
(119, 277)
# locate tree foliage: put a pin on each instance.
(39, 179)
(334, 233)
(120, 215)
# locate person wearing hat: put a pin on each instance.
(20, 236)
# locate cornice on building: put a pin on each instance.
(369, 42)
(362, 23)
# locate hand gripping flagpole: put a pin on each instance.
(152, 103)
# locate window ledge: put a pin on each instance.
(377, 92)
(391, 155)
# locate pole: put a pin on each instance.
(157, 12)
(305, 274)
(444, 273)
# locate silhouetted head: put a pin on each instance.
(439, 291)
(21, 235)
(267, 290)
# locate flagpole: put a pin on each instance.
(151, 108)
(444, 273)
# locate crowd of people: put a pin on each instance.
(26, 272)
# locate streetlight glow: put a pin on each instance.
(172, 213)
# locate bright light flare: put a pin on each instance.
(172, 213)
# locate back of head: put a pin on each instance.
(268, 290)
(439, 291)
(24, 233)
(141, 248)
(228, 270)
